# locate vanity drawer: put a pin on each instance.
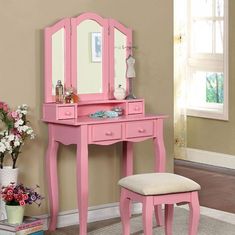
(135, 107)
(104, 132)
(66, 112)
(139, 129)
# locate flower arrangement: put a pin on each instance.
(18, 194)
(15, 130)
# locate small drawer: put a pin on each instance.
(135, 107)
(66, 112)
(139, 129)
(104, 132)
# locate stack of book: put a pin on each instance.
(30, 225)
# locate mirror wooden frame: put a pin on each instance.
(70, 61)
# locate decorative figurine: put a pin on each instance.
(70, 96)
(119, 93)
(130, 73)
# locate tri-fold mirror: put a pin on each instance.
(87, 53)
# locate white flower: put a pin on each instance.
(32, 136)
(8, 146)
(2, 147)
(24, 106)
(24, 112)
(24, 128)
(16, 143)
(11, 137)
(19, 123)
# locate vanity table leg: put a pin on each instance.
(159, 148)
(51, 169)
(127, 158)
(160, 162)
(82, 178)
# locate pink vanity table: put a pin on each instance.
(73, 55)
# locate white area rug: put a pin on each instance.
(207, 226)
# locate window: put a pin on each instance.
(208, 58)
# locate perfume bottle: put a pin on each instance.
(59, 91)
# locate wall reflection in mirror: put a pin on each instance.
(58, 60)
(120, 52)
(89, 57)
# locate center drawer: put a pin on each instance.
(104, 132)
(139, 129)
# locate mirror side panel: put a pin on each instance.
(57, 57)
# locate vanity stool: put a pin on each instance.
(153, 189)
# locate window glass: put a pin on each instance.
(207, 59)
(206, 87)
(219, 29)
(202, 36)
(219, 8)
(214, 87)
(201, 8)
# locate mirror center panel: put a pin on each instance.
(89, 57)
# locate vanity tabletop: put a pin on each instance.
(86, 120)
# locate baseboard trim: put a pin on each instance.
(215, 214)
(210, 158)
(95, 213)
(111, 210)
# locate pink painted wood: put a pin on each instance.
(79, 129)
(105, 58)
(71, 79)
(51, 162)
(79, 132)
(82, 178)
(148, 204)
(48, 33)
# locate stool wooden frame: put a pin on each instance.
(151, 201)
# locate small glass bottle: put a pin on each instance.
(59, 91)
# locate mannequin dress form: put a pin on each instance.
(130, 73)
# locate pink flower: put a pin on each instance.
(14, 114)
(19, 197)
(25, 196)
(1, 105)
(9, 192)
(22, 203)
(5, 107)
(9, 198)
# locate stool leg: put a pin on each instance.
(125, 212)
(169, 212)
(148, 215)
(158, 215)
(194, 213)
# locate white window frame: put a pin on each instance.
(211, 110)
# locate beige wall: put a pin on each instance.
(214, 135)
(21, 81)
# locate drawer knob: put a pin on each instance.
(68, 113)
(137, 108)
(109, 133)
(141, 130)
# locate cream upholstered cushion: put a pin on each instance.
(158, 183)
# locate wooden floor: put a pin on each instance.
(218, 192)
(218, 184)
